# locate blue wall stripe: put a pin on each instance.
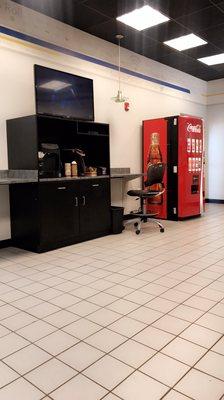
(93, 60)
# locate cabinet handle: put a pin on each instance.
(96, 185)
(76, 202)
(83, 200)
(61, 187)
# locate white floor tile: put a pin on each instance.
(111, 396)
(200, 303)
(154, 338)
(139, 386)
(184, 351)
(11, 343)
(186, 313)
(145, 315)
(20, 390)
(133, 353)
(127, 326)
(139, 297)
(56, 342)
(61, 318)
(80, 356)
(200, 335)
(65, 300)
(219, 346)
(82, 387)
(36, 331)
(164, 369)
(104, 317)
(18, 321)
(50, 375)
(213, 322)
(123, 306)
(161, 305)
(27, 359)
(7, 375)
(105, 340)
(212, 364)
(82, 328)
(3, 331)
(83, 308)
(173, 395)
(171, 324)
(108, 372)
(200, 386)
(43, 309)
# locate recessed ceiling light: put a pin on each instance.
(213, 60)
(143, 18)
(185, 42)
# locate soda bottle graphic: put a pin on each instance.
(154, 157)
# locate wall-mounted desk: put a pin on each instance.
(119, 180)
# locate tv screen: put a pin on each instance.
(61, 94)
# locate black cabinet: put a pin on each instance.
(52, 214)
(59, 211)
(94, 206)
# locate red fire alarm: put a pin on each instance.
(126, 106)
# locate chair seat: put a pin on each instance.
(143, 193)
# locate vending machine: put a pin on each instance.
(178, 142)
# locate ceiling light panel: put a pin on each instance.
(185, 42)
(143, 18)
(213, 60)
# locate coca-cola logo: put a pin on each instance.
(193, 128)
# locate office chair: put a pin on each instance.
(155, 173)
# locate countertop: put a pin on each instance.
(9, 177)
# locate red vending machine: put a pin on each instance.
(178, 142)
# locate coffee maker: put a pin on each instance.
(49, 160)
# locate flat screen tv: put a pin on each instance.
(62, 94)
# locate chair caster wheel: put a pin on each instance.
(162, 230)
(137, 232)
(135, 224)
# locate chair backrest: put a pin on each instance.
(155, 173)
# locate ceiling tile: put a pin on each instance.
(70, 12)
(178, 8)
(202, 51)
(166, 31)
(135, 39)
(202, 20)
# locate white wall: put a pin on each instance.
(147, 100)
(215, 146)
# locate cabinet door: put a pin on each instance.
(95, 206)
(59, 211)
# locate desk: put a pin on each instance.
(119, 193)
(126, 176)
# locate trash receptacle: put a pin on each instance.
(117, 219)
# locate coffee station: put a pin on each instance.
(70, 201)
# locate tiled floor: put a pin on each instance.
(121, 317)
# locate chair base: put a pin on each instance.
(138, 218)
